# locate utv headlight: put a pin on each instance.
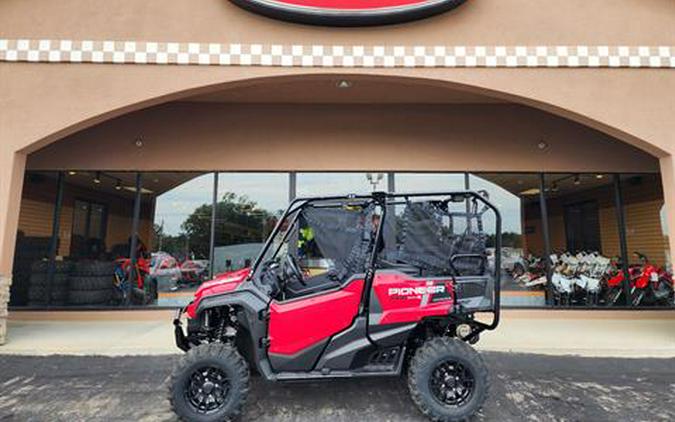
(463, 330)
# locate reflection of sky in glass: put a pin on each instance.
(429, 182)
(175, 206)
(509, 205)
(323, 184)
(268, 190)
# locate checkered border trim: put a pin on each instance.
(133, 52)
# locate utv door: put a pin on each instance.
(300, 329)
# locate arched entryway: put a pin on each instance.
(278, 137)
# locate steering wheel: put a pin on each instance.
(292, 269)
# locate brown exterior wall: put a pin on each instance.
(41, 103)
(478, 22)
(200, 136)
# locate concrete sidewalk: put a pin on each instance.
(551, 332)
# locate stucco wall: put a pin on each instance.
(41, 103)
(209, 136)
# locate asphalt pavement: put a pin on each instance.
(524, 387)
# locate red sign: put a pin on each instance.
(348, 12)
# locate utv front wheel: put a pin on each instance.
(210, 383)
(448, 380)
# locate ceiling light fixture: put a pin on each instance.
(531, 191)
(133, 189)
(118, 185)
(599, 176)
(577, 180)
(97, 177)
(542, 145)
(554, 187)
(72, 173)
(139, 142)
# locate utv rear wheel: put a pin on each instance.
(448, 380)
(210, 383)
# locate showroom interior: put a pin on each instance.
(202, 181)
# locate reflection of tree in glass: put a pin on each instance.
(238, 220)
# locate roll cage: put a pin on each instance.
(386, 202)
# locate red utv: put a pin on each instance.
(362, 285)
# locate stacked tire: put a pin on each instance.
(39, 290)
(28, 251)
(91, 283)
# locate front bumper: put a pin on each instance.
(181, 340)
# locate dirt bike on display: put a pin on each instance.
(578, 279)
(396, 294)
(534, 274)
(132, 284)
(648, 284)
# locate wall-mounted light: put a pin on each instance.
(344, 84)
(97, 177)
(599, 176)
(72, 173)
(554, 187)
(118, 185)
(577, 180)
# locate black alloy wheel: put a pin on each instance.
(448, 380)
(207, 389)
(452, 383)
(210, 383)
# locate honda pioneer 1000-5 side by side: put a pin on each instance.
(350, 286)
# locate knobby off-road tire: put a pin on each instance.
(207, 374)
(94, 269)
(42, 266)
(449, 361)
(90, 297)
(38, 295)
(91, 282)
(38, 279)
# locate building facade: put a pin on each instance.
(192, 123)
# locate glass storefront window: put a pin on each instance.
(585, 240)
(429, 182)
(33, 239)
(516, 195)
(173, 236)
(249, 205)
(179, 234)
(648, 248)
(643, 202)
(328, 184)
